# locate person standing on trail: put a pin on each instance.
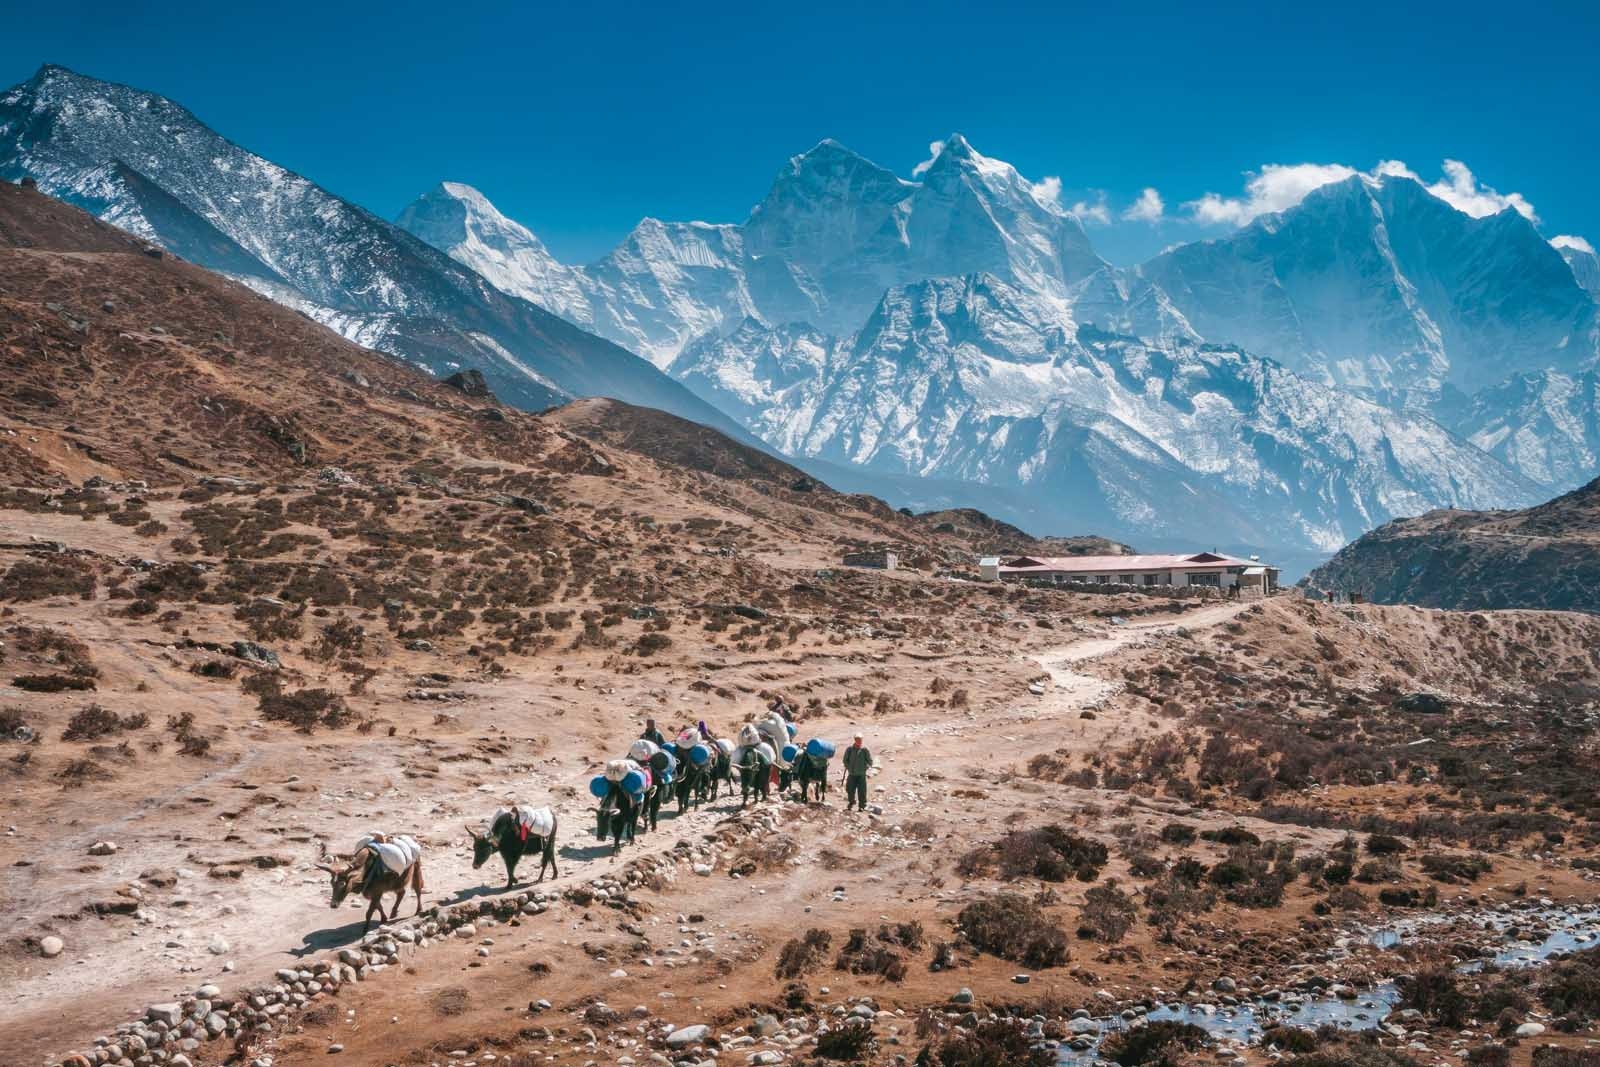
(857, 761)
(653, 735)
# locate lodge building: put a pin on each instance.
(1250, 577)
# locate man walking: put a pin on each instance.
(652, 734)
(857, 760)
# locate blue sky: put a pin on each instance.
(579, 119)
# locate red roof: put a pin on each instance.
(1121, 564)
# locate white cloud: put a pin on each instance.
(1148, 208)
(1461, 190)
(1048, 191)
(1279, 186)
(1567, 240)
(934, 148)
(1095, 211)
(1276, 187)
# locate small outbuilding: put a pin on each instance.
(879, 560)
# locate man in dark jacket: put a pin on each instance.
(857, 761)
(652, 734)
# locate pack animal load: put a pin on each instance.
(636, 781)
(617, 769)
(749, 735)
(725, 746)
(775, 731)
(818, 748)
(396, 853)
(688, 738)
(699, 755)
(664, 766)
(530, 821)
(643, 750)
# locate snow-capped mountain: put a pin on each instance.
(1291, 384)
(976, 380)
(1379, 286)
(933, 328)
(834, 231)
(1585, 266)
(149, 166)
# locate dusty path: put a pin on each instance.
(272, 925)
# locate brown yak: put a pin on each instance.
(368, 875)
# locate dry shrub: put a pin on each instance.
(1442, 867)
(867, 953)
(992, 1043)
(52, 683)
(1572, 986)
(1014, 928)
(40, 579)
(83, 770)
(1108, 913)
(451, 1000)
(1556, 1056)
(1156, 1044)
(305, 709)
(94, 722)
(13, 727)
(802, 954)
(849, 1042)
(1049, 853)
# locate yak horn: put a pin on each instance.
(327, 867)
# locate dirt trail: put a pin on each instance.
(272, 926)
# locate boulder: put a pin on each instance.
(50, 946)
(469, 382)
(1423, 704)
(685, 1036)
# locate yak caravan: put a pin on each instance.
(429, 643)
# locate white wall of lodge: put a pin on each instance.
(1212, 576)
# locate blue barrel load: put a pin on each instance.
(792, 731)
(636, 782)
(599, 787)
(700, 755)
(818, 748)
(791, 753)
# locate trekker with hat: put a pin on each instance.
(857, 760)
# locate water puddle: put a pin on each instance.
(1244, 1023)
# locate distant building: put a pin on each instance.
(1250, 576)
(881, 560)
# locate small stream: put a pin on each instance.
(1243, 1022)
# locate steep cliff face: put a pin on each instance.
(145, 164)
(1541, 557)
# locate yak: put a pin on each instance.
(755, 775)
(367, 875)
(508, 836)
(617, 817)
(811, 770)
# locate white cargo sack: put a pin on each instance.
(749, 735)
(396, 853)
(537, 821)
(725, 746)
(617, 769)
(642, 749)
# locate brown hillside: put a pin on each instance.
(1546, 556)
